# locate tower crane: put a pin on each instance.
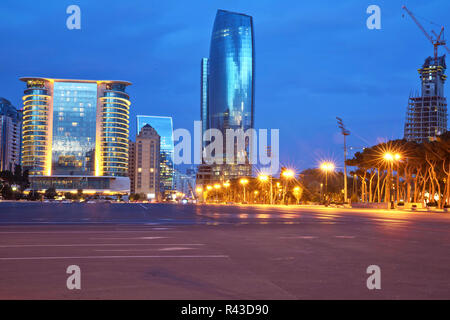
(438, 41)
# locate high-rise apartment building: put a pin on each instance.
(10, 135)
(164, 127)
(75, 134)
(146, 167)
(204, 115)
(131, 164)
(426, 115)
(228, 85)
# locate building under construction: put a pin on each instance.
(426, 115)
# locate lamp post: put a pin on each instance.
(208, 188)
(326, 167)
(199, 191)
(226, 185)
(244, 182)
(264, 179)
(390, 158)
(217, 187)
(397, 158)
(287, 174)
(345, 133)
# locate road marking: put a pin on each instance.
(98, 245)
(299, 237)
(147, 249)
(143, 206)
(133, 238)
(65, 232)
(115, 257)
(175, 249)
(345, 237)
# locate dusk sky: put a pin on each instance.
(315, 60)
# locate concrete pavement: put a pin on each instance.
(163, 251)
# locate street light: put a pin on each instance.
(288, 173)
(243, 181)
(345, 133)
(297, 193)
(264, 178)
(390, 158)
(327, 167)
(226, 186)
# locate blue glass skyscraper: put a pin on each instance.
(231, 81)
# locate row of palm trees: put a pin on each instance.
(400, 170)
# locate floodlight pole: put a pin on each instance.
(345, 133)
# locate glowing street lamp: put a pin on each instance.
(244, 182)
(390, 158)
(288, 174)
(209, 188)
(265, 178)
(226, 185)
(297, 193)
(327, 167)
(199, 190)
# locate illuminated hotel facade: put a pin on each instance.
(75, 134)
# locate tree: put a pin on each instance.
(34, 195)
(420, 174)
(50, 193)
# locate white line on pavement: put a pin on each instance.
(299, 237)
(98, 245)
(112, 257)
(132, 238)
(112, 231)
(146, 249)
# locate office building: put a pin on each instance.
(131, 164)
(10, 135)
(164, 127)
(204, 116)
(75, 134)
(228, 85)
(146, 154)
(426, 116)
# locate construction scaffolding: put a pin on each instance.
(426, 115)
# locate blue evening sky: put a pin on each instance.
(315, 60)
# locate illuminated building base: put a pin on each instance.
(89, 184)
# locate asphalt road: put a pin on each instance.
(168, 251)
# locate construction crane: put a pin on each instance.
(439, 41)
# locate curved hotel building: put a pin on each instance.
(75, 134)
(228, 84)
